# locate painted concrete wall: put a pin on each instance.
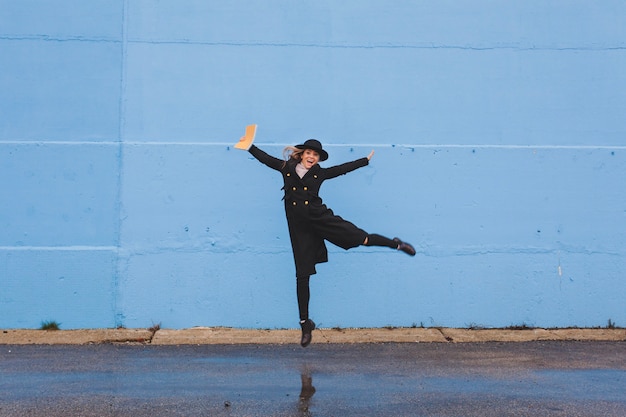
(500, 142)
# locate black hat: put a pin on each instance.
(315, 145)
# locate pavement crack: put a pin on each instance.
(153, 330)
(445, 336)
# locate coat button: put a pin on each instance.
(306, 188)
(294, 188)
(306, 202)
(289, 174)
(314, 176)
(294, 203)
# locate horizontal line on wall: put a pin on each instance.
(432, 252)
(476, 146)
(59, 248)
(335, 45)
(48, 38)
(350, 145)
(385, 45)
(59, 142)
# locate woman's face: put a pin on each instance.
(310, 158)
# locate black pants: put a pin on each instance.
(302, 282)
(304, 294)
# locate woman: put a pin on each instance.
(310, 221)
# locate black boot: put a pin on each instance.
(307, 327)
(405, 247)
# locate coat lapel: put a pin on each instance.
(313, 172)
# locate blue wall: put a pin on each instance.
(500, 142)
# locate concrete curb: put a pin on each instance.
(231, 336)
(74, 337)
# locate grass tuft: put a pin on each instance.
(50, 325)
(522, 326)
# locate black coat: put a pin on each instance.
(310, 221)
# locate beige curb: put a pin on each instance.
(615, 335)
(231, 336)
(396, 335)
(530, 335)
(223, 335)
(74, 337)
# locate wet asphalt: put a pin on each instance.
(390, 379)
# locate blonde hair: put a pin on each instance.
(292, 152)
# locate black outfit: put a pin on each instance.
(311, 222)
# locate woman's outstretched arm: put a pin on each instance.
(342, 169)
(266, 159)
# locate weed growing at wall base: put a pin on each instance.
(50, 325)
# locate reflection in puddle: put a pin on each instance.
(306, 392)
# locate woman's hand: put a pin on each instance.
(370, 155)
(246, 140)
